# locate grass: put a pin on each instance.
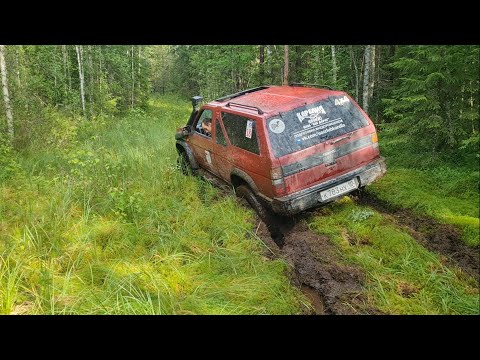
(443, 189)
(402, 276)
(106, 225)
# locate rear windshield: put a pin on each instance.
(313, 124)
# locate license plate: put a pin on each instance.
(339, 189)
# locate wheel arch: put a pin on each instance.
(239, 177)
(182, 146)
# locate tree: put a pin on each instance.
(366, 74)
(334, 66)
(354, 62)
(435, 97)
(6, 96)
(81, 77)
(372, 72)
(285, 68)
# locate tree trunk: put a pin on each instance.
(354, 61)
(133, 78)
(17, 60)
(64, 52)
(371, 84)
(366, 74)
(90, 78)
(334, 66)
(262, 61)
(69, 76)
(285, 67)
(6, 96)
(80, 74)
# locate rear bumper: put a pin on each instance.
(310, 197)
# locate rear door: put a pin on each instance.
(247, 149)
(321, 140)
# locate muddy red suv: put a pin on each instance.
(289, 148)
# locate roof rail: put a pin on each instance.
(244, 92)
(260, 112)
(311, 85)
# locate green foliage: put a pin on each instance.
(42, 78)
(435, 99)
(109, 226)
(8, 164)
(403, 277)
(445, 187)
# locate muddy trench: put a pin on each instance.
(442, 239)
(332, 286)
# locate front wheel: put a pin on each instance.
(183, 164)
(244, 192)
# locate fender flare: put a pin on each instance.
(245, 177)
(182, 144)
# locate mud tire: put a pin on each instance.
(244, 192)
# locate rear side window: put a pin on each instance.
(313, 124)
(241, 131)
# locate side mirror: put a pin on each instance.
(183, 132)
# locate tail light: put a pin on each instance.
(375, 140)
(277, 180)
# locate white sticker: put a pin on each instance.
(277, 126)
(312, 114)
(249, 129)
(208, 157)
(341, 101)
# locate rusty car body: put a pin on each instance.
(293, 147)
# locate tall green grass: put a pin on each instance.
(442, 188)
(107, 225)
(402, 276)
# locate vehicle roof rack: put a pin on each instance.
(260, 111)
(311, 85)
(244, 92)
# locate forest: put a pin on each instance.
(96, 218)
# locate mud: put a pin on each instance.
(440, 238)
(331, 286)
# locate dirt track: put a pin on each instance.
(334, 287)
(442, 239)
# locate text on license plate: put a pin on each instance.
(339, 189)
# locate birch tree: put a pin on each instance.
(366, 74)
(80, 74)
(354, 62)
(133, 77)
(371, 84)
(334, 66)
(285, 66)
(6, 96)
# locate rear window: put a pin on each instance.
(241, 131)
(313, 124)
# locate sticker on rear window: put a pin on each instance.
(249, 129)
(341, 101)
(277, 126)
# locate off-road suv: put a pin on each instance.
(289, 148)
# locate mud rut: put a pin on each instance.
(334, 287)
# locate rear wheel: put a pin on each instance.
(244, 192)
(183, 164)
